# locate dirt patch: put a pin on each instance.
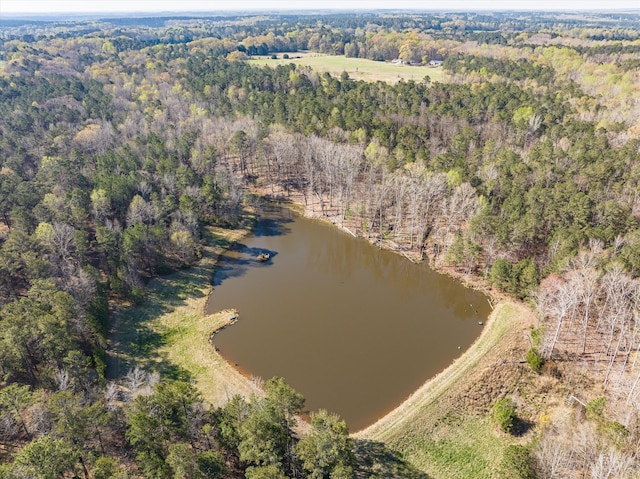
(4, 231)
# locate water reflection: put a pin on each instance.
(353, 328)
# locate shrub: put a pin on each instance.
(500, 274)
(518, 279)
(525, 278)
(504, 414)
(535, 360)
(105, 467)
(536, 336)
(615, 432)
(595, 408)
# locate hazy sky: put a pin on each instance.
(85, 6)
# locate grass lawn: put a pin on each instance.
(169, 331)
(357, 68)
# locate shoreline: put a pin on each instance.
(174, 312)
(188, 325)
(468, 280)
(461, 367)
(499, 323)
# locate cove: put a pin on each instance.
(353, 328)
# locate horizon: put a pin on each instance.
(169, 7)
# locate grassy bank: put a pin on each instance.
(169, 331)
(444, 428)
(358, 68)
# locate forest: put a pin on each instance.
(122, 140)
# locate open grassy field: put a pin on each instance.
(357, 68)
(169, 331)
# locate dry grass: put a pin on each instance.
(358, 68)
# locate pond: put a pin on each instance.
(354, 328)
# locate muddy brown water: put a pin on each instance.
(353, 328)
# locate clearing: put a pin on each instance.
(357, 68)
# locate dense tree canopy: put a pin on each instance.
(122, 140)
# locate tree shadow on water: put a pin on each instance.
(253, 253)
(270, 226)
(375, 460)
(238, 264)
